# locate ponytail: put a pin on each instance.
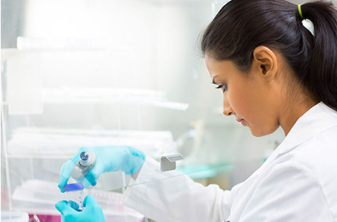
(243, 25)
(321, 78)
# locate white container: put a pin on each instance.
(7, 216)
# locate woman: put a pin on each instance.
(274, 72)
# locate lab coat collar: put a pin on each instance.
(317, 119)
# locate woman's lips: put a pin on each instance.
(242, 121)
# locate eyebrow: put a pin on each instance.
(213, 80)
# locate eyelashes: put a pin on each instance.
(223, 87)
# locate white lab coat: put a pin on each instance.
(297, 183)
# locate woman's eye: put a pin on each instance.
(223, 87)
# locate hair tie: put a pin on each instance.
(306, 22)
(300, 11)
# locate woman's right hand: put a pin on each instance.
(108, 158)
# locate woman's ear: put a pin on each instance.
(265, 62)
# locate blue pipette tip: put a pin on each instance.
(73, 187)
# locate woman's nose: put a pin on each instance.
(227, 113)
(227, 109)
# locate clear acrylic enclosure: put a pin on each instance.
(112, 72)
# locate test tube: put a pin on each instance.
(75, 197)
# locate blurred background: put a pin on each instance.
(112, 72)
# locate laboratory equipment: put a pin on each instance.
(7, 216)
(168, 162)
(74, 192)
(56, 142)
(84, 165)
(45, 194)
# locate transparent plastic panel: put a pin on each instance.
(112, 73)
(34, 180)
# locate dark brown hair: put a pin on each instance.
(243, 25)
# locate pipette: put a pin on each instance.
(84, 164)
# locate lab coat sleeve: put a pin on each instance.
(290, 192)
(173, 196)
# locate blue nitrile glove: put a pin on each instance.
(108, 158)
(92, 211)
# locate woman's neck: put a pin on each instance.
(293, 111)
